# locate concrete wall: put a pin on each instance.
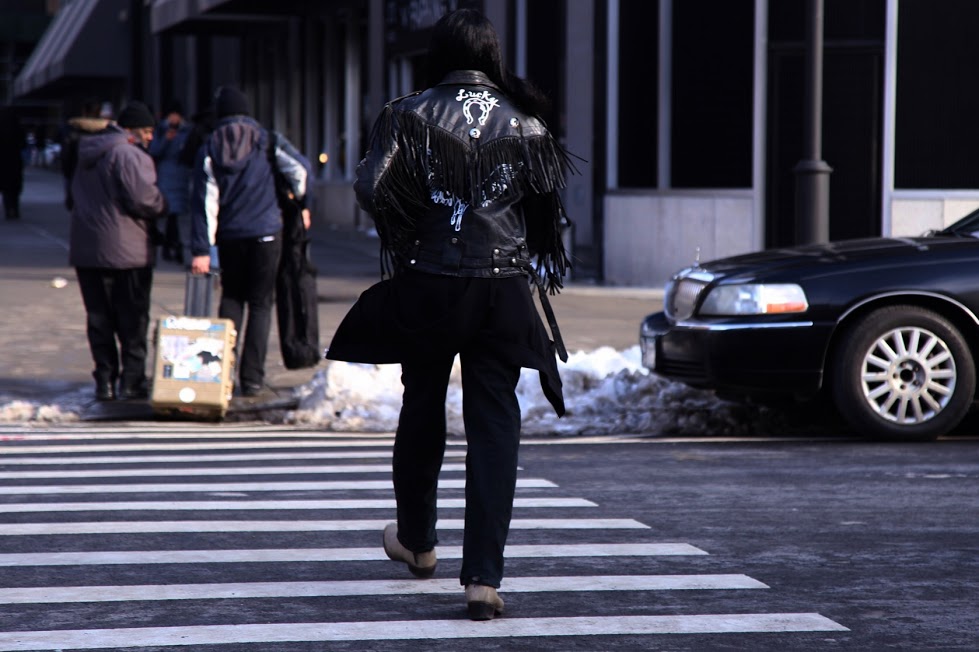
(917, 212)
(651, 236)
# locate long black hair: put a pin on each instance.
(466, 40)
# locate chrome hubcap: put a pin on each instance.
(908, 375)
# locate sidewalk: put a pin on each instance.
(44, 352)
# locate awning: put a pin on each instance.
(86, 42)
(228, 16)
(220, 17)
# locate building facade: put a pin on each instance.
(689, 117)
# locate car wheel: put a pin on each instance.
(903, 372)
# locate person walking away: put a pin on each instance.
(13, 140)
(173, 176)
(234, 205)
(116, 205)
(462, 183)
(89, 122)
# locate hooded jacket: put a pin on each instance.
(116, 203)
(233, 192)
(75, 130)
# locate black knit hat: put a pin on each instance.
(230, 101)
(135, 115)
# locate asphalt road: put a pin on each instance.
(828, 544)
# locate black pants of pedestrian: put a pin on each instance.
(491, 414)
(117, 307)
(173, 247)
(11, 204)
(248, 270)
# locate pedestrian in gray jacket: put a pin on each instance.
(116, 205)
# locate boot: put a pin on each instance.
(105, 390)
(482, 602)
(421, 564)
(134, 390)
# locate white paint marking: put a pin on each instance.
(143, 527)
(190, 472)
(88, 639)
(243, 590)
(196, 457)
(151, 430)
(196, 446)
(332, 485)
(291, 555)
(246, 505)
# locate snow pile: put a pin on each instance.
(19, 410)
(605, 391)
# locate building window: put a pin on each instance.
(935, 144)
(638, 97)
(713, 51)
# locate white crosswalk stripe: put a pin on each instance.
(66, 550)
(201, 487)
(135, 527)
(415, 630)
(219, 591)
(141, 557)
(196, 472)
(257, 505)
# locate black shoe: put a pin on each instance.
(104, 391)
(137, 392)
(249, 390)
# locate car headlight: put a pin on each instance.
(755, 299)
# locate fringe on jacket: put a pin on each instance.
(460, 168)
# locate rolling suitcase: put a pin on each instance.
(192, 372)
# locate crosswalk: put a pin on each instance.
(249, 537)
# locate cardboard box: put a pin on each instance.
(193, 370)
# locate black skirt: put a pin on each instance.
(415, 316)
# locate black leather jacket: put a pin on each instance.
(460, 182)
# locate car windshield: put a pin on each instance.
(967, 226)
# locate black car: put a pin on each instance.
(888, 328)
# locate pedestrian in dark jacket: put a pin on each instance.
(13, 140)
(234, 205)
(116, 206)
(462, 182)
(173, 176)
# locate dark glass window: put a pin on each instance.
(545, 57)
(638, 97)
(713, 69)
(937, 95)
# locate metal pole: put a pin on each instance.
(812, 173)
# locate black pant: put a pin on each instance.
(248, 269)
(491, 414)
(11, 204)
(117, 306)
(173, 247)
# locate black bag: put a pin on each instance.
(297, 309)
(296, 298)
